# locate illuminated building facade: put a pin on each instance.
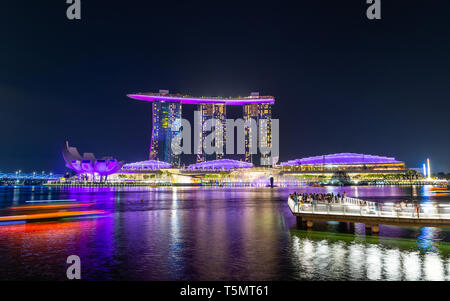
(262, 114)
(219, 165)
(212, 111)
(166, 117)
(142, 166)
(345, 162)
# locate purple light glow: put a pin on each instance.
(146, 165)
(342, 158)
(88, 163)
(105, 168)
(197, 100)
(223, 164)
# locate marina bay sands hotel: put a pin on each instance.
(166, 111)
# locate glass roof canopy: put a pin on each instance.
(342, 158)
(223, 164)
(146, 165)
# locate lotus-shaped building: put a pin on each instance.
(87, 166)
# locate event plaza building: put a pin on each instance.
(348, 162)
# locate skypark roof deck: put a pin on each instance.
(188, 99)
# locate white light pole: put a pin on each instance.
(428, 169)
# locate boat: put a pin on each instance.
(439, 189)
(27, 213)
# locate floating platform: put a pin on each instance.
(353, 210)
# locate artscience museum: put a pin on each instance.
(88, 167)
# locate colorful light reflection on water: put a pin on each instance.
(216, 234)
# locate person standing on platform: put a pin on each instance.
(417, 209)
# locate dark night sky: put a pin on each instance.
(342, 83)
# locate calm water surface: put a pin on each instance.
(216, 234)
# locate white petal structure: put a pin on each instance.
(88, 164)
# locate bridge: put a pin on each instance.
(21, 178)
(372, 213)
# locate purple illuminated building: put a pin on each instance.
(223, 164)
(344, 162)
(142, 166)
(87, 166)
(342, 158)
(187, 99)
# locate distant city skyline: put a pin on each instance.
(343, 83)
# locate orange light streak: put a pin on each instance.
(48, 215)
(52, 206)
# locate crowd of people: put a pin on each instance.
(404, 206)
(317, 198)
(331, 198)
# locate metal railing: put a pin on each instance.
(356, 207)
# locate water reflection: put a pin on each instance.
(316, 256)
(43, 246)
(411, 266)
(429, 239)
(216, 234)
(433, 267)
(374, 263)
(391, 264)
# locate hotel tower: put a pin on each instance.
(212, 111)
(166, 118)
(262, 114)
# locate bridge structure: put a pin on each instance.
(372, 214)
(19, 177)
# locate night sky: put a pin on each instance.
(342, 83)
